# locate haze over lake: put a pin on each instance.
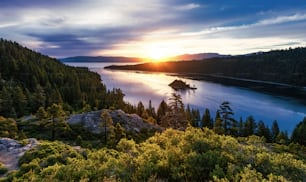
(145, 86)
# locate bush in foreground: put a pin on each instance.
(191, 155)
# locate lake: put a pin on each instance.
(144, 86)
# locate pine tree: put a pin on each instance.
(175, 116)
(299, 133)
(234, 129)
(140, 108)
(107, 126)
(218, 127)
(161, 111)
(250, 126)
(188, 114)
(226, 115)
(206, 119)
(241, 131)
(196, 117)
(274, 130)
(6, 102)
(263, 130)
(19, 101)
(151, 110)
(41, 114)
(39, 97)
(56, 120)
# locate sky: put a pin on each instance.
(153, 28)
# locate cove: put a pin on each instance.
(144, 86)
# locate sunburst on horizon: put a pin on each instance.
(160, 53)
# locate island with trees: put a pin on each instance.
(180, 85)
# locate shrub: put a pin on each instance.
(3, 169)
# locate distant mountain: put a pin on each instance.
(183, 57)
(199, 56)
(101, 59)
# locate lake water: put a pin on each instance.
(145, 86)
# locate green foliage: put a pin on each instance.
(108, 128)
(299, 133)
(193, 116)
(140, 109)
(190, 155)
(263, 130)
(3, 169)
(175, 117)
(49, 153)
(8, 127)
(282, 138)
(226, 115)
(218, 124)
(161, 111)
(274, 130)
(250, 126)
(151, 111)
(53, 120)
(207, 120)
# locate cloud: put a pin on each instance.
(35, 3)
(68, 28)
(6, 25)
(282, 19)
(260, 23)
(186, 7)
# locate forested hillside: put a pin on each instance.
(281, 66)
(29, 80)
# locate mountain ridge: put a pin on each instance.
(100, 59)
(182, 57)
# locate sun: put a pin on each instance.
(157, 54)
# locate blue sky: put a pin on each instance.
(153, 28)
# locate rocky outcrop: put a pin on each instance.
(11, 150)
(131, 122)
(92, 121)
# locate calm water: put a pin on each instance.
(144, 86)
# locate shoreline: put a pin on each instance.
(256, 85)
(280, 89)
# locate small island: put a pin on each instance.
(180, 85)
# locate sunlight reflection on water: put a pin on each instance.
(144, 86)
